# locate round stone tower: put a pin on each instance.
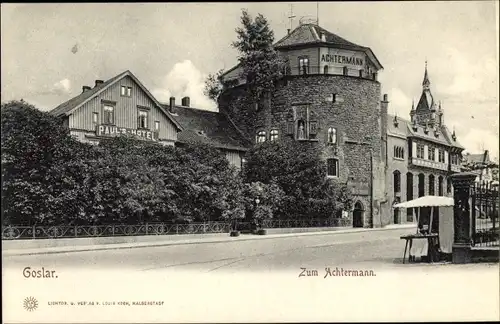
(331, 97)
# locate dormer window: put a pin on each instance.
(396, 123)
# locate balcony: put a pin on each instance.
(429, 164)
(455, 168)
(316, 69)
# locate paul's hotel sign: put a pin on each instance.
(107, 130)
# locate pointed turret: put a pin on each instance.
(440, 114)
(412, 111)
(426, 83)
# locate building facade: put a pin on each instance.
(483, 166)
(422, 154)
(330, 96)
(122, 105)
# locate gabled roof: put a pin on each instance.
(405, 128)
(66, 108)
(208, 127)
(478, 158)
(426, 101)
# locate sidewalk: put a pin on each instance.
(183, 240)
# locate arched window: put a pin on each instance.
(273, 135)
(409, 195)
(261, 137)
(448, 185)
(325, 69)
(421, 185)
(440, 186)
(432, 185)
(397, 181)
(332, 135)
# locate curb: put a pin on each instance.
(121, 246)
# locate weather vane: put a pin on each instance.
(291, 16)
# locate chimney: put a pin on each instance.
(172, 105)
(185, 101)
(288, 31)
(85, 88)
(98, 82)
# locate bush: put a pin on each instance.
(42, 167)
(50, 178)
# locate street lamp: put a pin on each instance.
(257, 201)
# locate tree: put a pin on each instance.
(262, 66)
(42, 167)
(297, 168)
(213, 85)
(262, 201)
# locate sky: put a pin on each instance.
(49, 51)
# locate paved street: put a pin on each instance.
(260, 274)
(373, 249)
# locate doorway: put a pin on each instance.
(358, 215)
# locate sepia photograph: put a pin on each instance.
(221, 162)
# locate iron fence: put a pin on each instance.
(65, 231)
(484, 221)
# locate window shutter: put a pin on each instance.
(313, 127)
(290, 128)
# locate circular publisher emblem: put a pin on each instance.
(30, 304)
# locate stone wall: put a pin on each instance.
(356, 113)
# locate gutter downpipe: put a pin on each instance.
(371, 187)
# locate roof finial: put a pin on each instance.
(412, 104)
(291, 16)
(426, 83)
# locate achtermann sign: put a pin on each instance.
(340, 58)
(107, 130)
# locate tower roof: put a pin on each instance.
(426, 83)
(310, 34)
(426, 101)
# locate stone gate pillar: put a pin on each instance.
(462, 182)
